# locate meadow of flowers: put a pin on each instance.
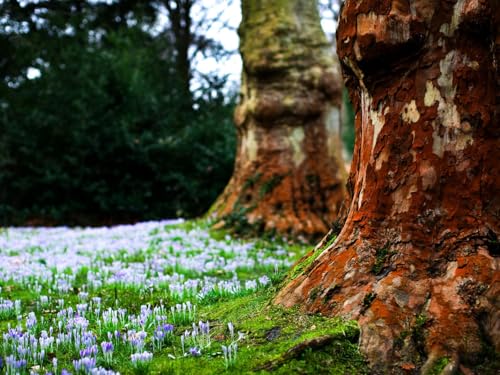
(94, 300)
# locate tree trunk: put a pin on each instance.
(289, 176)
(179, 14)
(417, 262)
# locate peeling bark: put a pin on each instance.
(417, 262)
(289, 176)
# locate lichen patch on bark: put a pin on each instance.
(250, 145)
(410, 112)
(295, 138)
(432, 94)
(449, 29)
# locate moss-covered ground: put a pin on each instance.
(269, 333)
(70, 286)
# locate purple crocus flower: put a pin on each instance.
(31, 320)
(139, 359)
(204, 327)
(107, 347)
(159, 334)
(163, 330)
(84, 364)
(88, 352)
(168, 328)
(195, 352)
(107, 350)
(13, 363)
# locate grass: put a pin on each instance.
(306, 261)
(270, 332)
(272, 339)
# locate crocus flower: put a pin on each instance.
(195, 352)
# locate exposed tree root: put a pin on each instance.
(295, 352)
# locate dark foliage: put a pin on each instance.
(104, 135)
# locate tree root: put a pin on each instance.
(296, 351)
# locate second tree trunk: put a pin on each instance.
(289, 176)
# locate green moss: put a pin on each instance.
(367, 301)
(314, 293)
(330, 240)
(421, 320)
(251, 181)
(304, 263)
(269, 185)
(418, 333)
(188, 225)
(237, 222)
(439, 366)
(273, 39)
(340, 358)
(255, 315)
(400, 339)
(381, 258)
(415, 337)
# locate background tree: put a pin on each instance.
(189, 23)
(329, 11)
(96, 136)
(289, 175)
(417, 262)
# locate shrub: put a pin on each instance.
(105, 136)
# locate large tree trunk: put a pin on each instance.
(417, 260)
(289, 176)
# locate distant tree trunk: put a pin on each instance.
(417, 262)
(179, 15)
(289, 176)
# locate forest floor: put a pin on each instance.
(169, 297)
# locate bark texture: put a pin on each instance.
(289, 175)
(417, 262)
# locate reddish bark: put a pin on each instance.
(417, 262)
(289, 175)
